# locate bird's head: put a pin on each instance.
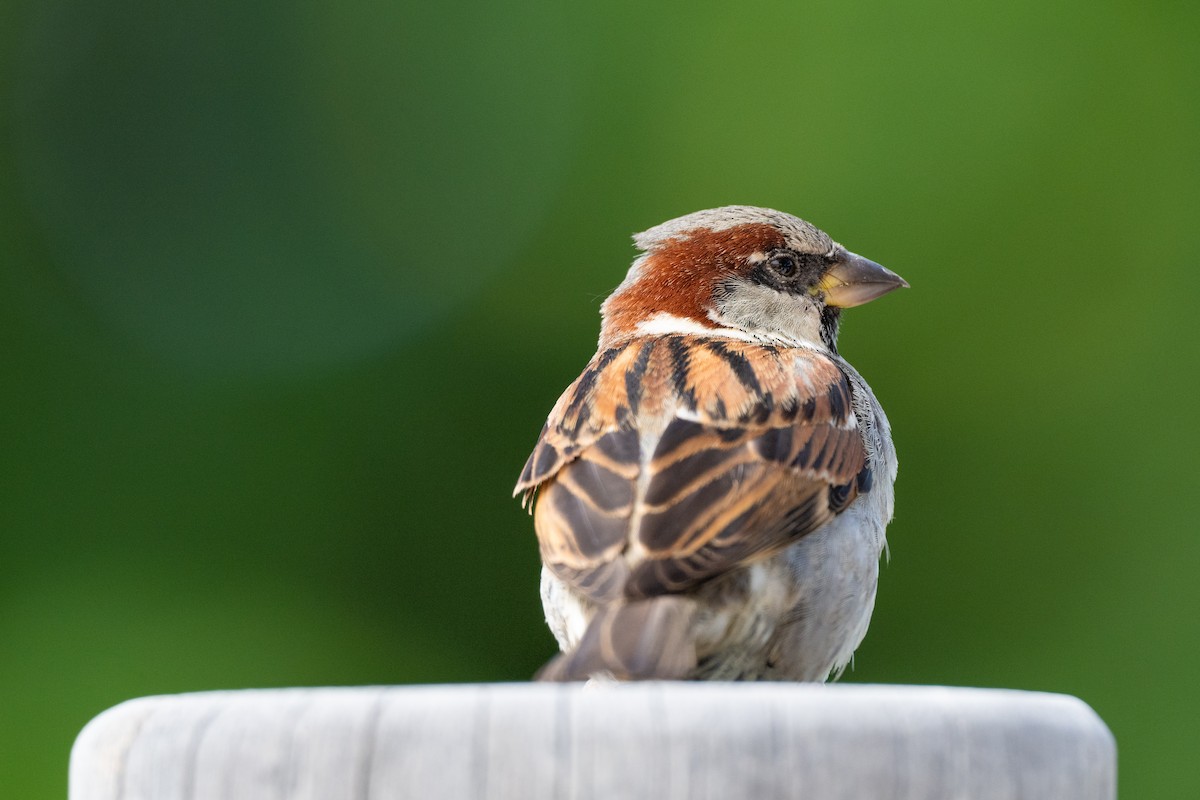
(754, 271)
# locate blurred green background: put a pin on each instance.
(288, 289)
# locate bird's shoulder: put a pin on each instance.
(724, 386)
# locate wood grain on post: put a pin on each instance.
(655, 741)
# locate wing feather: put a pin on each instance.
(672, 459)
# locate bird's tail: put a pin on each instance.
(639, 640)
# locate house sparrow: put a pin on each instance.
(712, 492)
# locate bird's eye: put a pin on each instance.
(784, 264)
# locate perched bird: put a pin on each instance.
(710, 495)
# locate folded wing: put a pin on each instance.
(673, 459)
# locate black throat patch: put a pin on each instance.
(831, 317)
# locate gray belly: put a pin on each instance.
(798, 615)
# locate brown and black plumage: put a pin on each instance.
(714, 431)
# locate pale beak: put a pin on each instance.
(856, 280)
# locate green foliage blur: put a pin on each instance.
(289, 288)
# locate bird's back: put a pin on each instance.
(676, 474)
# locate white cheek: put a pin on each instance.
(764, 311)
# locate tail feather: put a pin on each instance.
(640, 640)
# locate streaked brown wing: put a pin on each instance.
(587, 410)
(583, 512)
(724, 505)
(760, 447)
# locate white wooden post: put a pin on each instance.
(656, 741)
